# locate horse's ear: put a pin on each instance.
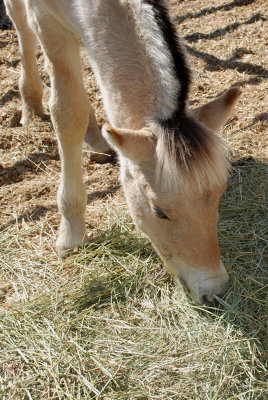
(217, 112)
(138, 146)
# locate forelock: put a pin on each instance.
(189, 156)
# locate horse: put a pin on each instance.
(173, 165)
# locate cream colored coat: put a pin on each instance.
(133, 66)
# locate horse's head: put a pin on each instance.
(174, 177)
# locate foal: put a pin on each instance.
(173, 166)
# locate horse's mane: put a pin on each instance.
(190, 156)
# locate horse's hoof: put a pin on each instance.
(65, 245)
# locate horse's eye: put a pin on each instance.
(160, 214)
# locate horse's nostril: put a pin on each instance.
(214, 300)
(207, 300)
(211, 301)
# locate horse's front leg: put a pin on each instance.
(69, 109)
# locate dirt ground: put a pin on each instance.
(227, 43)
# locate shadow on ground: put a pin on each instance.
(32, 215)
(16, 172)
(212, 10)
(223, 31)
(214, 63)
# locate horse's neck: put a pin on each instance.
(131, 61)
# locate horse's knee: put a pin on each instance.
(70, 120)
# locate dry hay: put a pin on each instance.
(108, 322)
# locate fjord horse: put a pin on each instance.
(173, 165)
